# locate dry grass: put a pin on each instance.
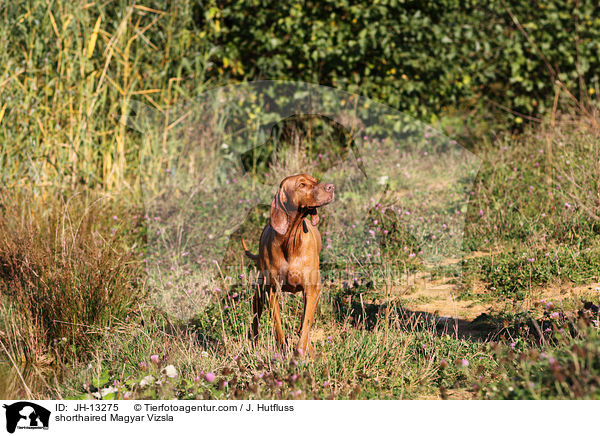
(66, 270)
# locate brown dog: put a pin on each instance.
(288, 257)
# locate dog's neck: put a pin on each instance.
(292, 240)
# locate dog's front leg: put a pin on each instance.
(312, 293)
(276, 315)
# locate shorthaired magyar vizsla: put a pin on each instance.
(288, 257)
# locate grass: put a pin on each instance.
(73, 75)
(107, 285)
(179, 328)
(353, 363)
(67, 270)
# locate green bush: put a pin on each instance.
(72, 73)
(420, 57)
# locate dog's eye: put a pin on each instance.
(302, 185)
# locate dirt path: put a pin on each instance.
(441, 300)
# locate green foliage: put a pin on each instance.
(513, 274)
(533, 212)
(539, 189)
(71, 73)
(420, 57)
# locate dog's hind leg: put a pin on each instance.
(258, 303)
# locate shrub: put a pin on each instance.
(419, 57)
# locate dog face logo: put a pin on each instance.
(26, 415)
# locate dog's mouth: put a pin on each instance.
(329, 200)
(313, 210)
(323, 202)
(313, 214)
(308, 211)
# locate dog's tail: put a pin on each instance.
(251, 256)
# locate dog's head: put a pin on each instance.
(299, 194)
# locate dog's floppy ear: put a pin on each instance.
(279, 216)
